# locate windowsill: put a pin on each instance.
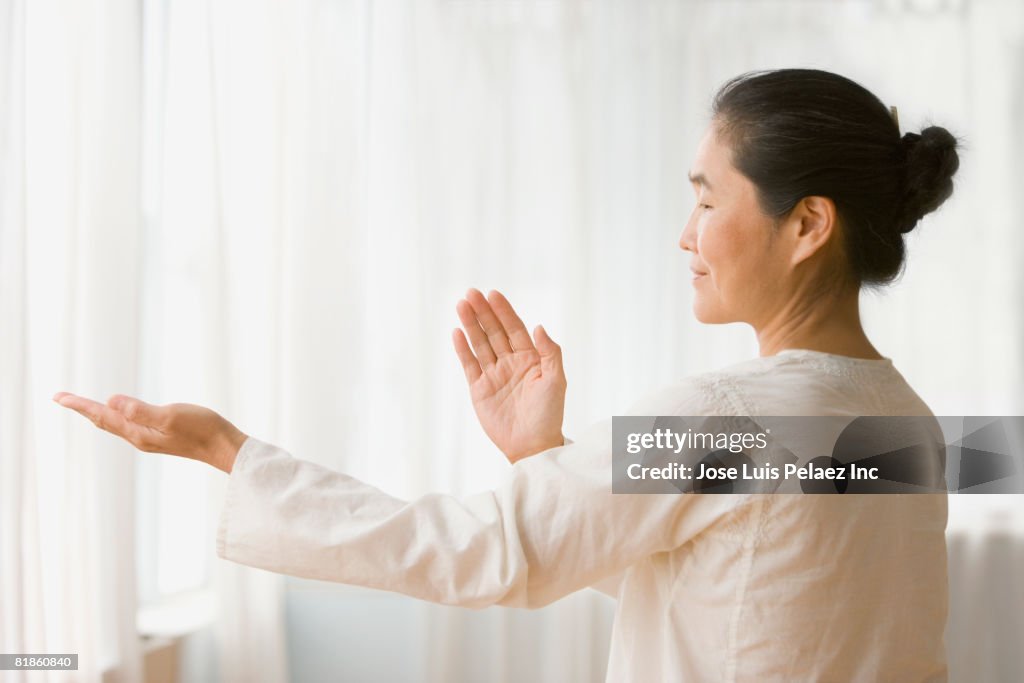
(161, 625)
(177, 615)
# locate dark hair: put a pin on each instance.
(797, 133)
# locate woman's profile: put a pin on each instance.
(805, 188)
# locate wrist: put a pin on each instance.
(226, 452)
(539, 447)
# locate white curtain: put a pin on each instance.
(321, 181)
(69, 204)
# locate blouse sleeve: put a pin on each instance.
(551, 528)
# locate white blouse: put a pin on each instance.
(766, 587)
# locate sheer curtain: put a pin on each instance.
(322, 180)
(69, 201)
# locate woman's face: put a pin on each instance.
(739, 269)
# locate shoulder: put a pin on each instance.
(794, 382)
(708, 393)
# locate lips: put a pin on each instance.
(697, 274)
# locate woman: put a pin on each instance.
(805, 188)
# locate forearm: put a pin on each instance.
(295, 517)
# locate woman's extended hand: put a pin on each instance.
(183, 429)
(518, 389)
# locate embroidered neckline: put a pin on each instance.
(885, 361)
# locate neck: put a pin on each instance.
(829, 325)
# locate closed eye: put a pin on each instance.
(704, 206)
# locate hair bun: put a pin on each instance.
(931, 162)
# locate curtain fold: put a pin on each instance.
(70, 209)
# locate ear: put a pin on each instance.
(814, 221)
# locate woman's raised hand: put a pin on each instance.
(518, 389)
(183, 429)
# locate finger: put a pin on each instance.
(550, 352)
(138, 411)
(469, 363)
(515, 328)
(81, 405)
(477, 338)
(104, 417)
(492, 327)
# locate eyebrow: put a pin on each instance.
(699, 178)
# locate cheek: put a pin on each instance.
(721, 248)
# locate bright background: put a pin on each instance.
(271, 208)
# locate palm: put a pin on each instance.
(517, 388)
(183, 429)
(515, 401)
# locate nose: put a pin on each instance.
(688, 240)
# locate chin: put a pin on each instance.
(709, 313)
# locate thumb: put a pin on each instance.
(134, 410)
